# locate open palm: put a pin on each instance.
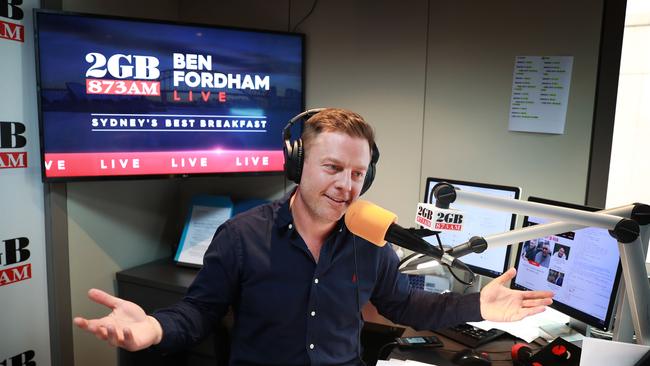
(127, 326)
(499, 303)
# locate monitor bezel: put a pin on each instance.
(92, 178)
(513, 221)
(561, 307)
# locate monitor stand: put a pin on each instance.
(574, 330)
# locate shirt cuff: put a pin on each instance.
(167, 325)
(471, 305)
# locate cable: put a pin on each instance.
(408, 257)
(289, 17)
(470, 283)
(306, 16)
(381, 349)
(356, 273)
(437, 235)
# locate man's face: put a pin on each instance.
(560, 252)
(544, 251)
(333, 174)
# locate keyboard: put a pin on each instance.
(469, 335)
(416, 281)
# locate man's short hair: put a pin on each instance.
(337, 120)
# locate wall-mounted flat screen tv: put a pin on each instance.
(122, 97)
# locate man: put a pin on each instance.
(560, 254)
(296, 278)
(530, 250)
(543, 257)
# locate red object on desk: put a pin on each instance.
(520, 353)
(557, 353)
(559, 350)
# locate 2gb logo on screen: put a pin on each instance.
(122, 74)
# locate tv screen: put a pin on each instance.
(121, 97)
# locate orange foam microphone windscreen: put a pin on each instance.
(369, 221)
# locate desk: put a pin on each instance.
(499, 350)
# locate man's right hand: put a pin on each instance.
(127, 326)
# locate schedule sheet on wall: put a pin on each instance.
(540, 93)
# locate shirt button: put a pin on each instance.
(311, 346)
(313, 313)
(290, 226)
(315, 280)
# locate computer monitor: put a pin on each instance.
(479, 222)
(582, 268)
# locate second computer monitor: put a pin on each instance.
(479, 222)
(582, 267)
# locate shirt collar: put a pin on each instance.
(284, 213)
(285, 218)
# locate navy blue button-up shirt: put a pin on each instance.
(290, 309)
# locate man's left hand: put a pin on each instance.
(501, 304)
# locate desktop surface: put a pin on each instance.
(498, 351)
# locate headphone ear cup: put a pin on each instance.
(370, 176)
(372, 169)
(288, 160)
(293, 160)
(299, 157)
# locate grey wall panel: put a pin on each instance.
(472, 48)
(369, 56)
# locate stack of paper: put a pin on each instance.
(395, 362)
(527, 328)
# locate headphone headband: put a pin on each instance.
(286, 131)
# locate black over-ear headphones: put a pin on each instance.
(294, 153)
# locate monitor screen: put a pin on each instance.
(479, 222)
(581, 267)
(124, 97)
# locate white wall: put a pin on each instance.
(629, 171)
(24, 317)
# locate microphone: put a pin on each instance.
(378, 225)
